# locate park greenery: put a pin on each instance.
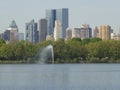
(75, 50)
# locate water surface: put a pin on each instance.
(60, 77)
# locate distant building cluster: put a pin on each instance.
(12, 33)
(105, 32)
(55, 26)
(84, 32)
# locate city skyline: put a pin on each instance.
(94, 12)
(57, 14)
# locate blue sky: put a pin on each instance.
(92, 12)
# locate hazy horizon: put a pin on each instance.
(93, 12)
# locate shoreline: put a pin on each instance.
(56, 62)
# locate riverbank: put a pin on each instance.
(61, 61)
(15, 62)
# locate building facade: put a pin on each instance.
(115, 36)
(105, 32)
(2, 36)
(57, 14)
(84, 32)
(31, 32)
(42, 30)
(96, 32)
(57, 30)
(62, 16)
(50, 17)
(11, 34)
(21, 36)
(68, 33)
(76, 33)
(7, 35)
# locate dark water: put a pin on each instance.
(60, 77)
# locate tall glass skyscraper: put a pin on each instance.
(57, 14)
(50, 17)
(31, 32)
(62, 16)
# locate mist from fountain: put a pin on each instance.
(46, 55)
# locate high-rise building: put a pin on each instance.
(50, 17)
(96, 32)
(84, 32)
(42, 30)
(57, 14)
(76, 33)
(31, 32)
(68, 33)
(62, 16)
(7, 35)
(2, 36)
(13, 32)
(57, 30)
(105, 32)
(21, 36)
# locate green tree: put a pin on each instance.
(95, 40)
(85, 41)
(59, 50)
(76, 39)
(2, 42)
(76, 50)
(5, 52)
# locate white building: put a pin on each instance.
(115, 36)
(76, 33)
(68, 33)
(57, 30)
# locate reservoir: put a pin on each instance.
(60, 77)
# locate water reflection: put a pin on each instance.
(60, 77)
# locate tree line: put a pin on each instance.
(75, 50)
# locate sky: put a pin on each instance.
(92, 12)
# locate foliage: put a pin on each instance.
(92, 50)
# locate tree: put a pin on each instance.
(59, 49)
(85, 41)
(95, 40)
(76, 39)
(5, 52)
(2, 42)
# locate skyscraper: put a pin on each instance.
(31, 32)
(96, 32)
(13, 32)
(21, 36)
(105, 32)
(50, 17)
(62, 16)
(76, 33)
(7, 35)
(68, 33)
(57, 14)
(57, 30)
(84, 32)
(42, 29)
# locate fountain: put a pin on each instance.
(46, 55)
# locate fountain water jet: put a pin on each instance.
(46, 55)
